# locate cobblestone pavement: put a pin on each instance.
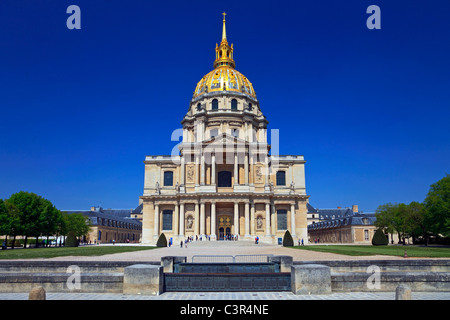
(238, 296)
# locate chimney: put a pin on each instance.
(339, 208)
(355, 208)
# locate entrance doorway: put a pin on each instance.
(224, 226)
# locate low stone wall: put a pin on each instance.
(345, 276)
(59, 282)
(403, 265)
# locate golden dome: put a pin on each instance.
(224, 77)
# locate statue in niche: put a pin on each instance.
(292, 187)
(259, 222)
(158, 190)
(190, 173)
(258, 174)
(190, 222)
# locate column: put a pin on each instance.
(236, 218)
(202, 170)
(267, 219)
(246, 168)
(156, 225)
(236, 171)
(293, 219)
(197, 169)
(202, 218)
(175, 225)
(213, 168)
(213, 219)
(247, 220)
(196, 218)
(252, 218)
(272, 218)
(182, 171)
(181, 219)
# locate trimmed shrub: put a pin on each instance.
(379, 238)
(287, 240)
(71, 240)
(162, 241)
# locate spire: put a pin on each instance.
(224, 31)
(224, 52)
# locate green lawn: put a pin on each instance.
(368, 250)
(33, 253)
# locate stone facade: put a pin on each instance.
(221, 179)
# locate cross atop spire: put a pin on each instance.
(224, 31)
(224, 52)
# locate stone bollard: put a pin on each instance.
(37, 293)
(143, 279)
(310, 279)
(403, 292)
(169, 263)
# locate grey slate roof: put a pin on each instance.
(119, 215)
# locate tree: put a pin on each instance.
(28, 211)
(287, 239)
(48, 219)
(379, 238)
(162, 241)
(385, 215)
(4, 219)
(414, 221)
(77, 223)
(437, 207)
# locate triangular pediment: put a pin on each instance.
(222, 139)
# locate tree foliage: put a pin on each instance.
(379, 238)
(437, 205)
(29, 215)
(432, 217)
(162, 241)
(288, 241)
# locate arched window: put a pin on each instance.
(281, 178)
(250, 107)
(215, 105)
(199, 107)
(234, 104)
(224, 178)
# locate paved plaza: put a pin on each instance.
(205, 247)
(236, 296)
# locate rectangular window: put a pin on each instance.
(282, 219)
(168, 178)
(167, 220)
(281, 178)
(366, 235)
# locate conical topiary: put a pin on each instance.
(162, 241)
(379, 238)
(287, 239)
(71, 240)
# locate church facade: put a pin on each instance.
(223, 180)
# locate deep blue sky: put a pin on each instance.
(80, 109)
